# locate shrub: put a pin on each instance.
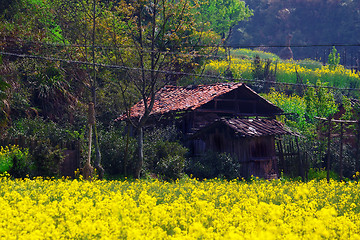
(170, 167)
(44, 140)
(212, 165)
(168, 160)
(5, 160)
(321, 173)
(115, 148)
(309, 64)
(248, 53)
(16, 161)
(47, 158)
(38, 128)
(22, 163)
(163, 154)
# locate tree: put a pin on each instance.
(223, 15)
(78, 22)
(4, 115)
(320, 101)
(152, 39)
(333, 59)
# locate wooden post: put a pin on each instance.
(328, 150)
(301, 165)
(357, 148)
(341, 151)
(357, 160)
(281, 155)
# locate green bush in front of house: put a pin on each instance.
(16, 161)
(164, 154)
(213, 164)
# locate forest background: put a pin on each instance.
(58, 57)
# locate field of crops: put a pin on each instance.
(289, 71)
(186, 209)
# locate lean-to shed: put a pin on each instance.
(250, 140)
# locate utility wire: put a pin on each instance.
(234, 46)
(230, 79)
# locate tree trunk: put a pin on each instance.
(97, 163)
(126, 149)
(140, 139)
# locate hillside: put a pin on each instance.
(315, 27)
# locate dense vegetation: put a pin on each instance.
(58, 56)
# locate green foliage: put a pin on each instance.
(44, 139)
(169, 160)
(164, 155)
(320, 101)
(212, 165)
(310, 22)
(251, 54)
(320, 174)
(8, 8)
(333, 59)
(295, 108)
(261, 71)
(47, 158)
(16, 161)
(3, 85)
(118, 152)
(23, 164)
(39, 128)
(223, 15)
(309, 64)
(5, 160)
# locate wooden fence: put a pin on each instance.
(327, 151)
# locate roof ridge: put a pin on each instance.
(205, 85)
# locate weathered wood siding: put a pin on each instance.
(255, 154)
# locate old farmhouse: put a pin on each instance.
(222, 117)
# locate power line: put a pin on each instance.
(194, 46)
(190, 54)
(230, 79)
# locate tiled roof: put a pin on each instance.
(174, 98)
(255, 127)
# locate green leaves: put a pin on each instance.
(333, 59)
(223, 15)
(320, 101)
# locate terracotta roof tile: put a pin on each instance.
(174, 98)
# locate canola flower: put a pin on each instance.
(288, 71)
(186, 209)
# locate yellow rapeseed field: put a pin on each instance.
(185, 209)
(287, 71)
